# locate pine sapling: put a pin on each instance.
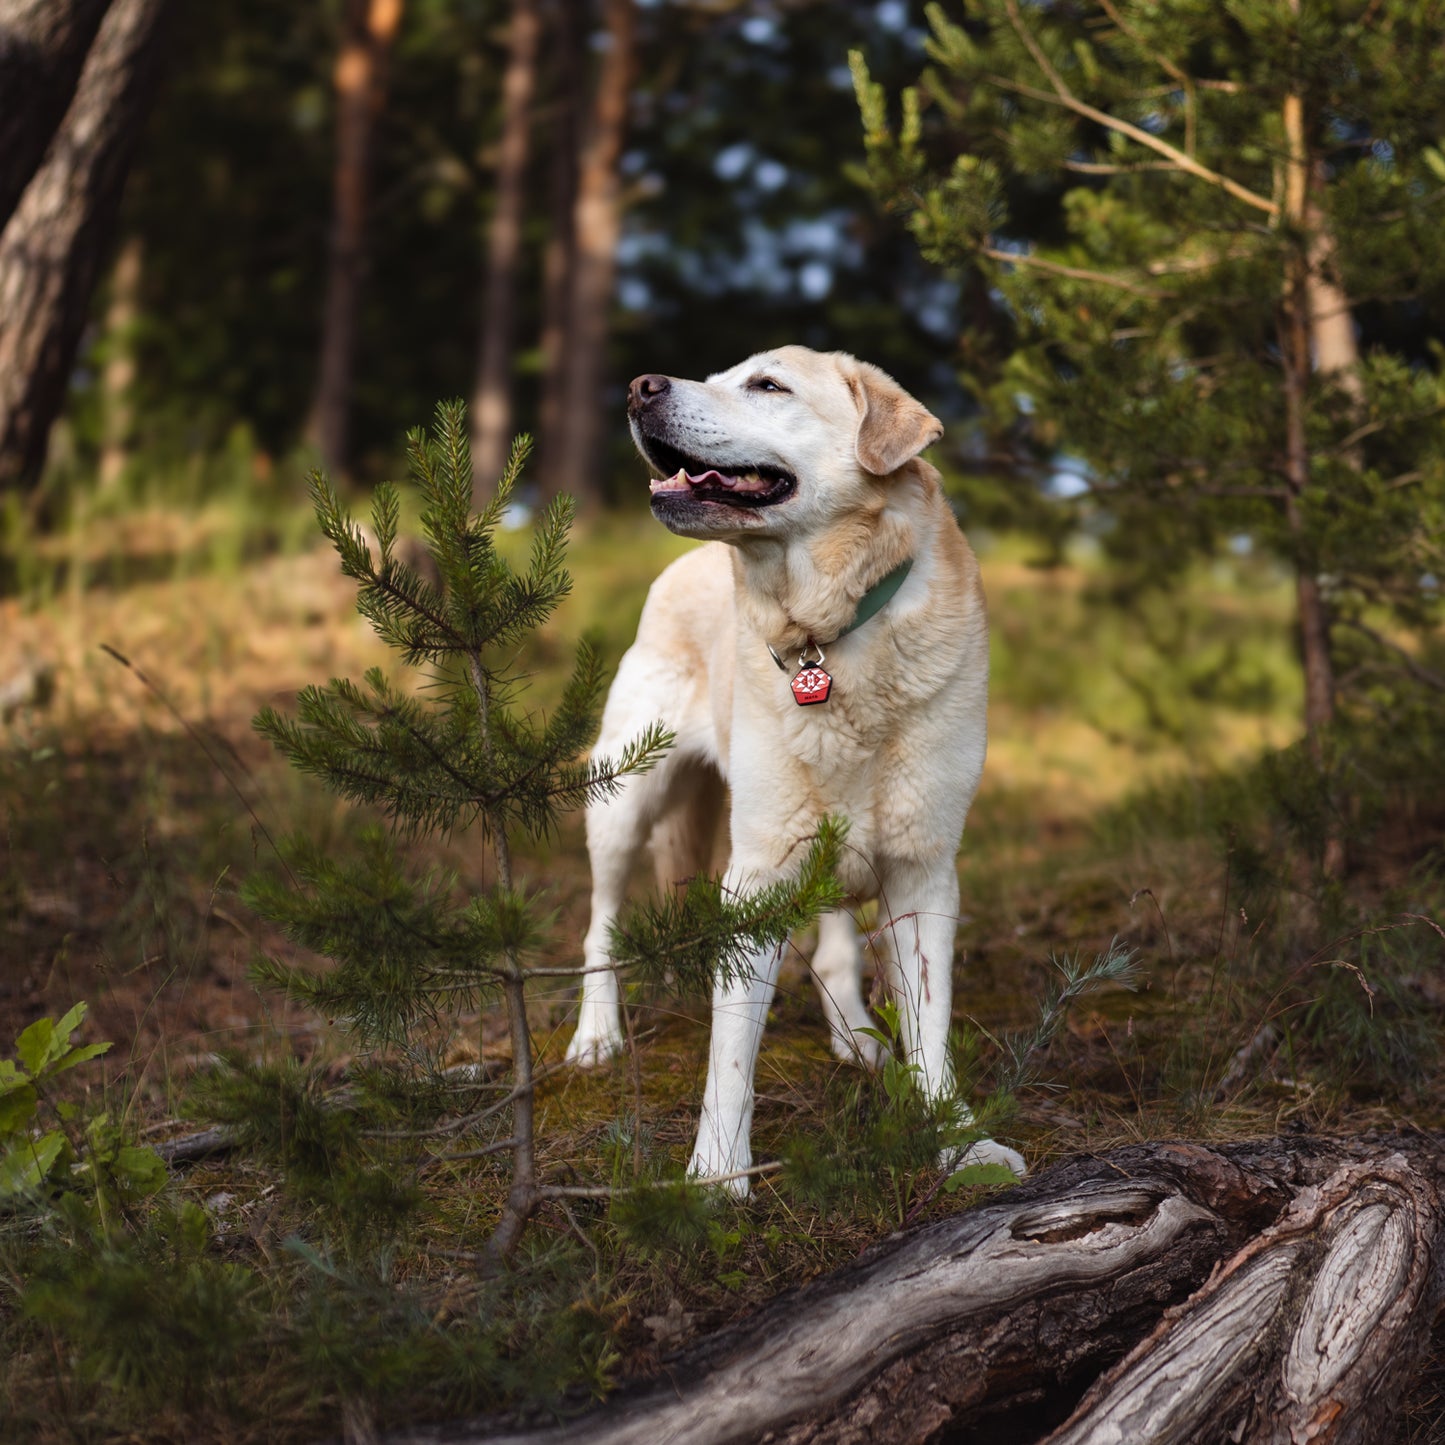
(410, 954)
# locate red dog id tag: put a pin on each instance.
(811, 684)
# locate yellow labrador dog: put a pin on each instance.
(825, 653)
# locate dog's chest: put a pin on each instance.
(869, 698)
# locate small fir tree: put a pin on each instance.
(1214, 235)
(410, 953)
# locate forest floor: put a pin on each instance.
(1120, 801)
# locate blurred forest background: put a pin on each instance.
(1173, 276)
(336, 213)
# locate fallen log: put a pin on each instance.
(1268, 1291)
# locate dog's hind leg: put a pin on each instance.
(838, 973)
(685, 838)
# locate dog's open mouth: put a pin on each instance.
(700, 481)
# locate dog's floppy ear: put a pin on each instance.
(892, 426)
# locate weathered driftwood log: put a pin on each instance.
(1270, 1291)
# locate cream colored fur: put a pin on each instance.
(897, 749)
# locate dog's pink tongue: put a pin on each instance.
(684, 481)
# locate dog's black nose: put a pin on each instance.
(645, 389)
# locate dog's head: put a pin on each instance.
(777, 446)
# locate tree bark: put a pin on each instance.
(1305, 293)
(492, 395)
(43, 45)
(1294, 338)
(360, 82)
(52, 249)
(596, 222)
(568, 29)
(117, 415)
(1268, 1291)
(1306, 1334)
(1332, 326)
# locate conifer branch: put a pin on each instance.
(1075, 273)
(1142, 137)
(1175, 72)
(1412, 665)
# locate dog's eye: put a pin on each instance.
(765, 383)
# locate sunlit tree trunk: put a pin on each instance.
(1332, 327)
(596, 222)
(1308, 296)
(360, 83)
(52, 250)
(118, 377)
(43, 44)
(492, 395)
(567, 23)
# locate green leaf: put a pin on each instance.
(12, 1078)
(973, 1176)
(45, 1041)
(24, 1167)
(17, 1108)
(139, 1171)
(71, 1022)
(33, 1046)
(82, 1055)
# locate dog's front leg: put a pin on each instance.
(739, 1011)
(922, 904)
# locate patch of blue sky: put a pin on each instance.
(1069, 478)
(815, 279)
(760, 29)
(731, 162)
(770, 175)
(891, 16)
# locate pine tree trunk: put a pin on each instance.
(52, 250)
(1272, 1291)
(492, 395)
(1332, 327)
(117, 379)
(360, 83)
(1294, 337)
(43, 44)
(568, 22)
(596, 224)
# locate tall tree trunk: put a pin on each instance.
(596, 222)
(117, 411)
(492, 395)
(1332, 326)
(1296, 309)
(53, 247)
(43, 44)
(360, 81)
(568, 22)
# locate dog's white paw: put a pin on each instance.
(720, 1172)
(987, 1151)
(853, 1047)
(592, 1050)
